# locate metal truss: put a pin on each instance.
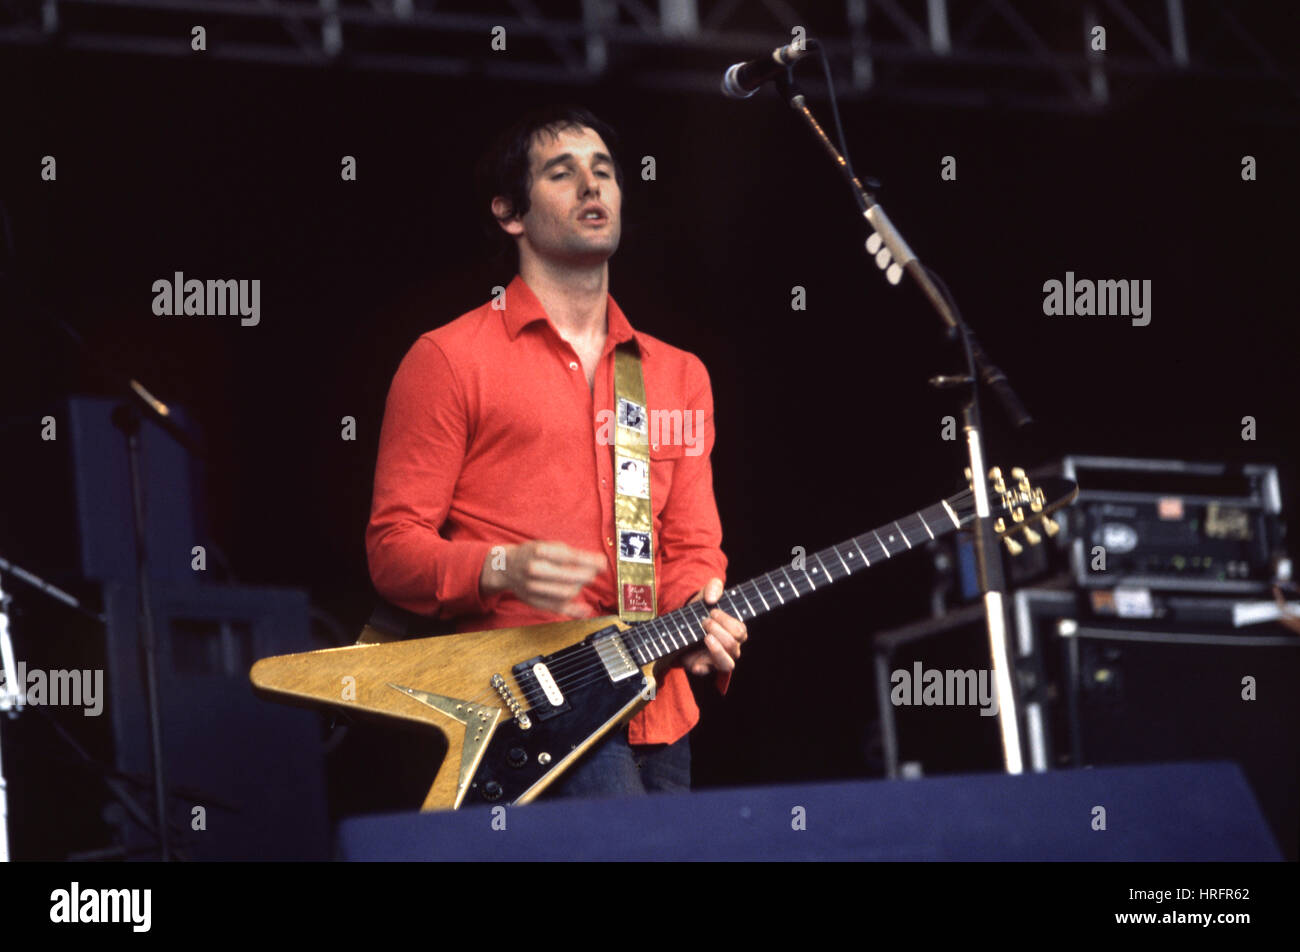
(1009, 54)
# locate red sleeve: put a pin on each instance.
(690, 534)
(421, 449)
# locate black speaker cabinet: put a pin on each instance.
(1127, 691)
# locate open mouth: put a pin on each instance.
(593, 215)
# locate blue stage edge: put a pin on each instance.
(1174, 812)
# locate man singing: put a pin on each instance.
(493, 445)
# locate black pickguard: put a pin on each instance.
(500, 779)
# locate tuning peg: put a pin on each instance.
(1000, 526)
(1017, 514)
(1035, 504)
(995, 472)
(1032, 537)
(1014, 547)
(1017, 473)
(967, 472)
(1050, 526)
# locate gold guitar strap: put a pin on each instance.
(633, 516)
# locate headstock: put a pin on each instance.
(1021, 506)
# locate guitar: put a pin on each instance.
(519, 706)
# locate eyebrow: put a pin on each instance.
(568, 157)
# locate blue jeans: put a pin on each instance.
(615, 768)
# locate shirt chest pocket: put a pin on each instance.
(663, 466)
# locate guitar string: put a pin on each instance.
(572, 679)
(571, 674)
(575, 681)
(564, 671)
(840, 554)
(591, 669)
(588, 660)
(569, 677)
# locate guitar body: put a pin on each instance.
(447, 682)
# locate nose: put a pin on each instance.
(590, 184)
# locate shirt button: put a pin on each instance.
(608, 540)
(573, 365)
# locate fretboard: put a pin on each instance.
(681, 629)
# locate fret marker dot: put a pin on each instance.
(891, 538)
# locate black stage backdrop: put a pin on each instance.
(826, 425)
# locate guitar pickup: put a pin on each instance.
(539, 687)
(549, 687)
(614, 655)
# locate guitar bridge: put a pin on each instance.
(503, 689)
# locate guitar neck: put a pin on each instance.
(681, 629)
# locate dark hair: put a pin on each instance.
(504, 168)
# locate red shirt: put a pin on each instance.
(492, 436)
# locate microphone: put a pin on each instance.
(744, 79)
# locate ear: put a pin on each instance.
(503, 212)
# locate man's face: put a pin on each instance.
(575, 204)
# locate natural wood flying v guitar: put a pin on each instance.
(519, 706)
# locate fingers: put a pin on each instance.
(552, 575)
(713, 591)
(730, 626)
(722, 659)
(722, 637)
(710, 593)
(541, 571)
(697, 662)
(564, 556)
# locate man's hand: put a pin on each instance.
(546, 575)
(723, 636)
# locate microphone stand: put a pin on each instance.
(893, 256)
(140, 406)
(128, 418)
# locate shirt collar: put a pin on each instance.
(522, 308)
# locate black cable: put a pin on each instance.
(835, 109)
